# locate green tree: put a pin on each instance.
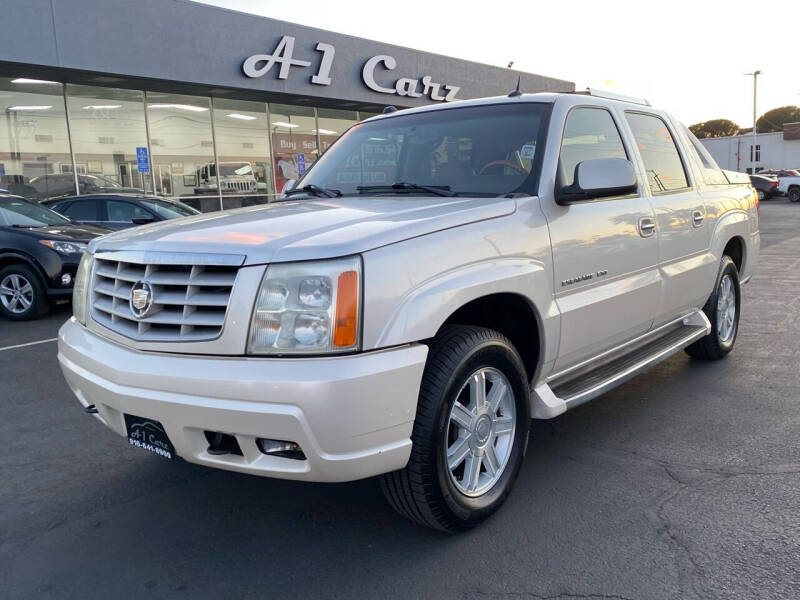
(773, 120)
(715, 128)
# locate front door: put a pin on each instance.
(605, 252)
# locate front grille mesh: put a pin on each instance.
(189, 301)
(242, 186)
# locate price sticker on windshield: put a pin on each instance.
(528, 151)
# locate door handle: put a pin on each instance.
(697, 218)
(647, 226)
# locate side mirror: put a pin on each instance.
(599, 178)
(143, 220)
(289, 185)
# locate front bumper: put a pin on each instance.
(351, 415)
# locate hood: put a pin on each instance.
(308, 229)
(68, 233)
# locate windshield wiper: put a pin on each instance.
(314, 190)
(439, 190)
(18, 226)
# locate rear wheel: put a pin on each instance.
(470, 431)
(722, 310)
(761, 195)
(22, 295)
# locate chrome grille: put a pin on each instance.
(241, 186)
(190, 294)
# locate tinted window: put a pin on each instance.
(484, 150)
(660, 155)
(82, 210)
(589, 133)
(125, 212)
(169, 209)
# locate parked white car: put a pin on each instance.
(790, 186)
(511, 258)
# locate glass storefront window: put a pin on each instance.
(182, 148)
(35, 160)
(241, 131)
(332, 123)
(107, 125)
(294, 141)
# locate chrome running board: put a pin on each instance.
(553, 398)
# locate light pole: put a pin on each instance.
(755, 75)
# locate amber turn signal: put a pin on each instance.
(346, 322)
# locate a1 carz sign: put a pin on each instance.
(259, 65)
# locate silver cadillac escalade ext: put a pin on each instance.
(439, 277)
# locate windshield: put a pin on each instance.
(476, 150)
(15, 211)
(167, 209)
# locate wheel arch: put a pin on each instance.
(511, 295)
(15, 258)
(513, 316)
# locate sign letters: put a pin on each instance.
(259, 65)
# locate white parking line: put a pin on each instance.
(29, 344)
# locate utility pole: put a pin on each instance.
(755, 75)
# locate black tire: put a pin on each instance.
(714, 346)
(794, 194)
(761, 195)
(38, 301)
(424, 491)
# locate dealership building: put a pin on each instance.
(775, 150)
(212, 106)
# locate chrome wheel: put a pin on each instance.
(16, 293)
(726, 309)
(761, 195)
(480, 432)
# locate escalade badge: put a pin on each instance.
(141, 299)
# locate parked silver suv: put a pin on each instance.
(439, 276)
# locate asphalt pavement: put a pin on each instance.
(682, 483)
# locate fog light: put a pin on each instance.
(280, 448)
(66, 279)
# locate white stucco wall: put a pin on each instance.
(734, 152)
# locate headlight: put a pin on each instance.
(308, 308)
(68, 248)
(79, 292)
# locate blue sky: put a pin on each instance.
(687, 57)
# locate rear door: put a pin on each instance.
(680, 216)
(605, 251)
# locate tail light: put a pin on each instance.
(773, 184)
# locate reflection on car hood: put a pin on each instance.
(72, 233)
(307, 229)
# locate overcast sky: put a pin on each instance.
(688, 57)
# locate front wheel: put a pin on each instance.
(722, 310)
(794, 194)
(22, 294)
(470, 431)
(761, 195)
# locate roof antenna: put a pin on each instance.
(516, 92)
